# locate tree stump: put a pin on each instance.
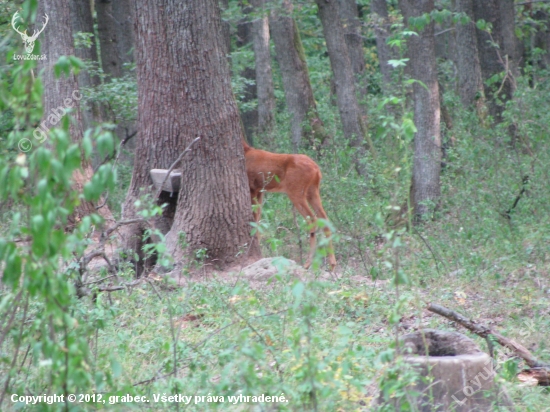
(455, 374)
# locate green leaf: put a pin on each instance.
(398, 63)
(298, 290)
(116, 367)
(63, 65)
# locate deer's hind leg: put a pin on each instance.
(314, 199)
(257, 197)
(301, 204)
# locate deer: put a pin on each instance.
(296, 175)
(28, 40)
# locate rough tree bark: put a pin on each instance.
(351, 24)
(425, 188)
(189, 95)
(385, 52)
(82, 21)
(292, 63)
(491, 65)
(470, 82)
(350, 114)
(264, 75)
(57, 43)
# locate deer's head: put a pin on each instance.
(28, 40)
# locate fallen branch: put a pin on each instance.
(119, 287)
(483, 331)
(524, 183)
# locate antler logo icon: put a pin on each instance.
(28, 40)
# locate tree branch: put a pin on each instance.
(188, 149)
(484, 332)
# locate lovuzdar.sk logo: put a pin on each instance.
(28, 40)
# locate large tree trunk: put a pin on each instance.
(350, 114)
(490, 61)
(349, 15)
(385, 52)
(214, 208)
(470, 82)
(82, 21)
(189, 95)
(292, 63)
(57, 43)
(264, 75)
(425, 188)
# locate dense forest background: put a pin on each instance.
(428, 119)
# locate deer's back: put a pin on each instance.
(276, 172)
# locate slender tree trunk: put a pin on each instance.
(292, 63)
(349, 15)
(189, 95)
(350, 114)
(124, 25)
(425, 188)
(541, 39)
(59, 91)
(490, 61)
(111, 61)
(470, 82)
(385, 52)
(82, 21)
(264, 75)
(250, 92)
(510, 42)
(115, 22)
(226, 31)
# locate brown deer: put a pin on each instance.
(294, 174)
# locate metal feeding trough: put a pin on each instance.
(171, 184)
